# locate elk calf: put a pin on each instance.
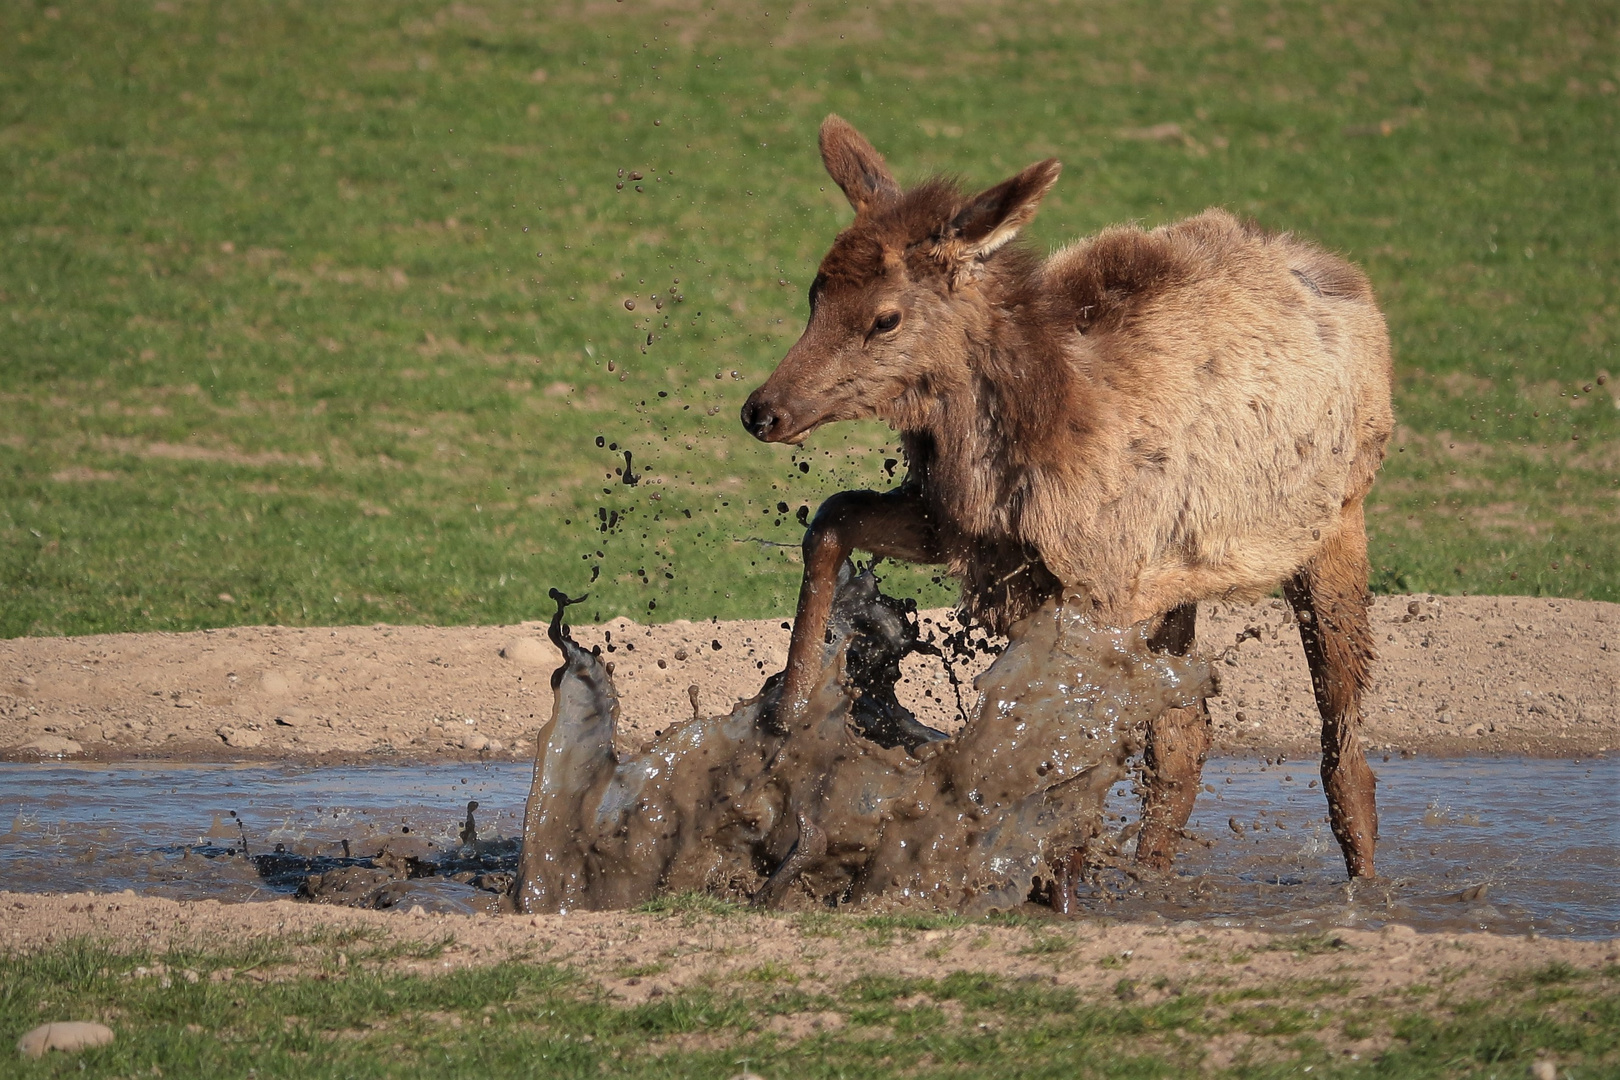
(1146, 419)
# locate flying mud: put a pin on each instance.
(856, 802)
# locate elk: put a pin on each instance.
(1144, 419)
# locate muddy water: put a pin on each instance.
(1504, 844)
(378, 836)
(1448, 826)
(803, 806)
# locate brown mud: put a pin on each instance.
(1472, 675)
(850, 800)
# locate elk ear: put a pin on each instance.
(994, 216)
(854, 165)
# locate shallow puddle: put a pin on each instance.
(1541, 837)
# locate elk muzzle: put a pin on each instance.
(764, 420)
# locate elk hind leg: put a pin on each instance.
(1178, 741)
(1330, 598)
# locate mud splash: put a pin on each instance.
(853, 801)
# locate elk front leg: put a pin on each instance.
(893, 524)
(1178, 740)
(1330, 598)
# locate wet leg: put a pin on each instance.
(1330, 598)
(1178, 741)
(893, 524)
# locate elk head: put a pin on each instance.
(897, 298)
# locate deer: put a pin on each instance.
(1144, 419)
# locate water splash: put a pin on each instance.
(856, 802)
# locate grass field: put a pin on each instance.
(175, 1015)
(317, 314)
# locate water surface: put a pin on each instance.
(1507, 844)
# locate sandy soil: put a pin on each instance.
(1456, 675)
(634, 958)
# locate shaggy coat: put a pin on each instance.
(1148, 418)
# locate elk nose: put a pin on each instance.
(760, 419)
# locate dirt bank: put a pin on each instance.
(1456, 675)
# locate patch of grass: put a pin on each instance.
(690, 904)
(771, 972)
(406, 950)
(1297, 989)
(882, 929)
(818, 924)
(1309, 944)
(1556, 973)
(525, 1019)
(1044, 943)
(319, 316)
(913, 920)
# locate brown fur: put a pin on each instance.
(1147, 418)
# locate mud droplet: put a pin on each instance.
(629, 304)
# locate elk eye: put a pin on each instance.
(886, 322)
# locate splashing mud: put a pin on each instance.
(853, 801)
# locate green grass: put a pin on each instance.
(526, 1019)
(273, 326)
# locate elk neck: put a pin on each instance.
(1015, 406)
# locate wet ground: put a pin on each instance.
(1508, 845)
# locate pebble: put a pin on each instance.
(475, 741)
(53, 746)
(69, 1036)
(529, 652)
(241, 738)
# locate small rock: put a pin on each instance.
(52, 746)
(240, 738)
(495, 746)
(69, 1036)
(474, 741)
(1544, 1070)
(294, 718)
(528, 652)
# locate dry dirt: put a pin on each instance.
(1456, 675)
